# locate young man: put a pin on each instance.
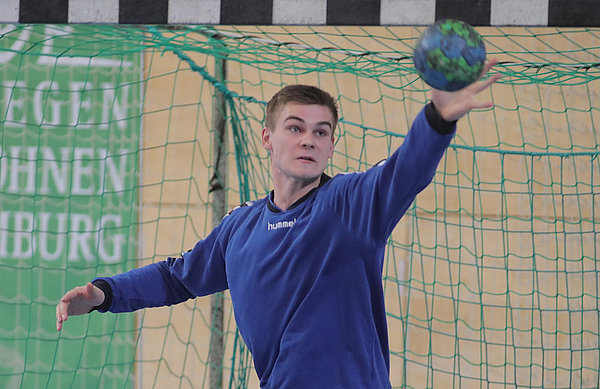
(303, 265)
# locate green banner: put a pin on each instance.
(70, 124)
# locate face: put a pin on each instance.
(301, 142)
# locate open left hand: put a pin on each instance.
(453, 105)
(78, 301)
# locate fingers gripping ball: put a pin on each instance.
(449, 55)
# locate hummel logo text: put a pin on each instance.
(278, 225)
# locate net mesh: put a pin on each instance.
(107, 160)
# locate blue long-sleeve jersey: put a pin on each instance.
(305, 283)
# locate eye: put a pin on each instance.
(294, 129)
(322, 133)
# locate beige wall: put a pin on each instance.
(469, 289)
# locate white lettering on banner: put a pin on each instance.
(52, 103)
(110, 104)
(118, 240)
(44, 225)
(81, 104)
(14, 103)
(42, 99)
(3, 234)
(82, 168)
(24, 235)
(17, 46)
(51, 56)
(80, 239)
(59, 168)
(18, 166)
(87, 171)
(52, 32)
(23, 229)
(110, 169)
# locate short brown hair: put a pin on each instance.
(302, 94)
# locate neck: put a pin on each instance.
(287, 193)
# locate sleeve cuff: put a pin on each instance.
(439, 124)
(108, 295)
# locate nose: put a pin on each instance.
(307, 141)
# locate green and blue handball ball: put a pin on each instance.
(450, 55)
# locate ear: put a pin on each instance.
(266, 138)
(331, 147)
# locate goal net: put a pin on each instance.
(122, 145)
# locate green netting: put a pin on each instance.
(107, 162)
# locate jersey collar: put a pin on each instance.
(271, 203)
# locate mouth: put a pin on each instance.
(306, 158)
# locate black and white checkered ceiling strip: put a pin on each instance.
(564, 13)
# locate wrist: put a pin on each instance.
(437, 122)
(108, 295)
